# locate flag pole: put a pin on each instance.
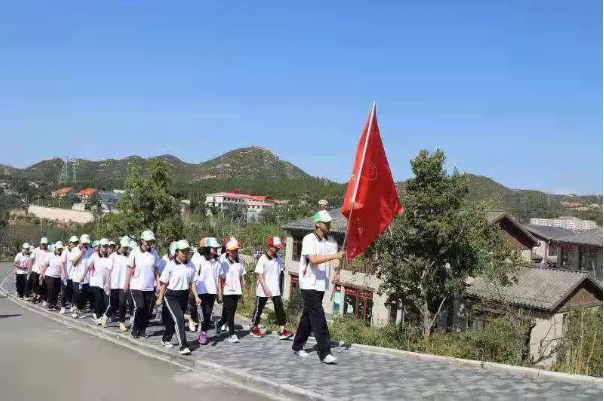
(356, 186)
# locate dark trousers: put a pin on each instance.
(129, 304)
(20, 281)
(98, 295)
(81, 295)
(117, 302)
(207, 304)
(33, 284)
(142, 307)
(193, 309)
(229, 308)
(175, 305)
(279, 310)
(53, 286)
(313, 319)
(66, 293)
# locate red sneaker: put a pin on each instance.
(256, 332)
(284, 335)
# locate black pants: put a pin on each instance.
(98, 295)
(313, 319)
(117, 302)
(66, 293)
(81, 294)
(33, 283)
(175, 305)
(129, 304)
(53, 285)
(229, 308)
(279, 310)
(142, 307)
(20, 281)
(193, 308)
(207, 305)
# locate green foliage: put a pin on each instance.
(581, 350)
(438, 242)
(146, 205)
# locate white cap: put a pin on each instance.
(26, 245)
(111, 243)
(147, 235)
(133, 244)
(85, 239)
(182, 244)
(323, 216)
(209, 242)
(104, 242)
(125, 242)
(74, 238)
(44, 240)
(58, 245)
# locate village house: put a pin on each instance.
(254, 205)
(551, 292)
(65, 192)
(567, 249)
(88, 194)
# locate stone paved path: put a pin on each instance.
(363, 375)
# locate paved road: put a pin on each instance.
(44, 360)
(358, 374)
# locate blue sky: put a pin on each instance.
(508, 89)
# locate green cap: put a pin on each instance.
(182, 244)
(95, 243)
(104, 242)
(147, 235)
(58, 245)
(323, 216)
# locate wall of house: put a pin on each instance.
(548, 329)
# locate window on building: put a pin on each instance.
(296, 249)
(358, 304)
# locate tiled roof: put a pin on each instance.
(589, 237)
(87, 192)
(547, 232)
(539, 288)
(62, 190)
(338, 225)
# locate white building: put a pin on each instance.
(254, 204)
(570, 223)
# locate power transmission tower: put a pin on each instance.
(64, 175)
(74, 168)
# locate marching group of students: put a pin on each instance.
(130, 277)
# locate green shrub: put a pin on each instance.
(581, 346)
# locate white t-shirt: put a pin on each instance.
(207, 273)
(78, 269)
(143, 265)
(178, 276)
(231, 272)
(39, 258)
(68, 264)
(271, 269)
(98, 267)
(22, 260)
(163, 262)
(312, 276)
(119, 270)
(54, 265)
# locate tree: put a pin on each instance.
(441, 240)
(146, 205)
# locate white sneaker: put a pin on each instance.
(44, 303)
(81, 315)
(104, 320)
(301, 353)
(224, 327)
(167, 344)
(94, 316)
(184, 351)
(132, 320)
(234, 339)
(62, 311)
(72, 310)
(192, 325)
(75, 315)
(329, 359)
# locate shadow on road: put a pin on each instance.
(8, 316)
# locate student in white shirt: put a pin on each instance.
(207, 272)
(79, 256)
(143, 274)
(38, 258)
(22, 265)
(268, 270)
(231, 272)
(99, 268)
(67, 283)
(176, 282)
(117, 280)
(318, 250)
(163, 262)
(53, 271)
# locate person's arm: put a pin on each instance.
(77, 259)
(87, 264)
(16, 264)
(162, 292)
(130, 266)
(43, 269)
(62, 271)
(318, 259)
(260, 272)
(242, 278)
(195, 294)
(29, 265)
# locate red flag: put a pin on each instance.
(371, 201)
